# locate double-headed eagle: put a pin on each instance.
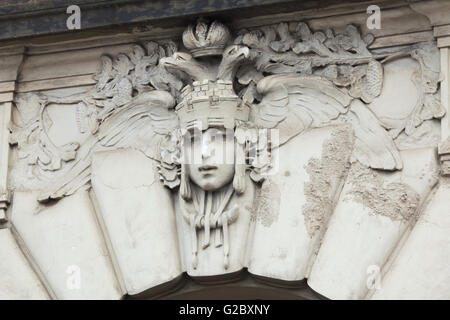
(291, 83)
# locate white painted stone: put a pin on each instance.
(17, 278)
(282, 247)
(358, 241)
(421, 269)
(400, 88)
(127, 106)
(138, 215)
(65, 241)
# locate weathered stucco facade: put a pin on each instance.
(339, 180)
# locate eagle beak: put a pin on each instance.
(163, 61)
(246, 52)
(167, 62)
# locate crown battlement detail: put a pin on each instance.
(210, 104)
(206, 39)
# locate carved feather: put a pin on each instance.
(150, 113)
(374, 147)
(293, 103)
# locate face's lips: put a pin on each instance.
(207, 168)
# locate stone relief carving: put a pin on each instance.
(172, 105)
(30, 135)
(444, 152)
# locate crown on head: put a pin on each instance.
(210, 104)
(206, 39)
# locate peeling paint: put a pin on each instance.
(394, 200)
(325, 175)
(267, 204)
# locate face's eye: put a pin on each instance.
(193, 137)
(219, 133)
(196, 138)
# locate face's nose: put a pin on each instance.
(207, 150)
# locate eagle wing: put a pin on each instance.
(141, 123)
(293, 103)
(374, 146)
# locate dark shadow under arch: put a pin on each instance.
(235, 286)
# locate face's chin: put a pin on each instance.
(211, 177)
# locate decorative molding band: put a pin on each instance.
(5, 199)
(50, 17)
(58, 83)
(399, 14)
(10, 66)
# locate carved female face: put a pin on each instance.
(210, 157)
